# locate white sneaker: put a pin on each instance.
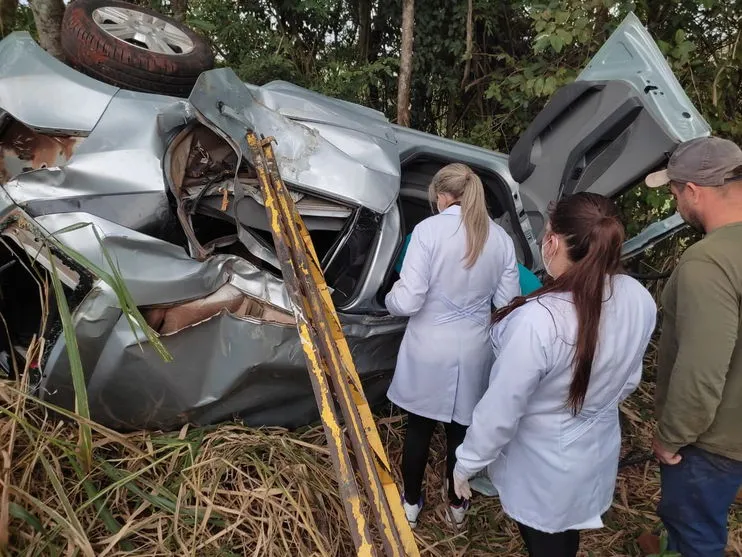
(412, 511)
(456, 514)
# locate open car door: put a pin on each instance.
(619, 120)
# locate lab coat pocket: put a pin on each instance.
(577, 426)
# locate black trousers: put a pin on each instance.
(415, 455)
(541, 544)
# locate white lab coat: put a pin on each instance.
(445, 358)
(555, 471)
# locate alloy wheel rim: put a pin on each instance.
(143, 30)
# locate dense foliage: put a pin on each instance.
(483, 88)
(520, 52)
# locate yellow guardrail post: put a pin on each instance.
(333, 372)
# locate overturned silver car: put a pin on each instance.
(156, 177)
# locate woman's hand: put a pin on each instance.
(461, 484)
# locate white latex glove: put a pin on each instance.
(461, 484)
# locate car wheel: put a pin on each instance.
(133, 47)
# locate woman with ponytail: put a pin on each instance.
(547, 427)
(458, 264)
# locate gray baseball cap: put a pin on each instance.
(704, 161)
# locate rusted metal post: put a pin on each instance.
(332, 370)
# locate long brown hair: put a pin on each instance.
(590, 225)
(465, 186)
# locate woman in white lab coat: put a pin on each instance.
(566, 356)
(458, 263)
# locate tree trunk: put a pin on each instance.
(364, 29)
(451, 113)
(469, 42)
(8, 9)
(47, 15)
(180, 8)
(405, 63)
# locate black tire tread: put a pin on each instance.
(90, 50)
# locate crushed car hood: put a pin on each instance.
(326, 149)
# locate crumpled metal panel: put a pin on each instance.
(22, 149)
(6, 204)
(115, 173)
(351, 166)
(302, 104)
(223, 367)
(157, 272)
(235, 368)
(42, 92)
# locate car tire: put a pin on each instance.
(133, 47)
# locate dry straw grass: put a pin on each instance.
(232, 490)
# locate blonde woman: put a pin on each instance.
(458, 263)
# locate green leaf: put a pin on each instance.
(556, 43)
(565, 36)
(121, 479)
(538, 86)
(75, 361)
(664, 46)
(158, 495)
(494, 91)
(104, 513)
(561, 17)
(75, 536)
(550, 85)
(18, 512)
(679, 36)
(541, 43)
(202, 25)
(66, 504)
(663, 544)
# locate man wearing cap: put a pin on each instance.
(698, 440)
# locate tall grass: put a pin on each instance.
(231, 490)
(115, 281)
(78, 375)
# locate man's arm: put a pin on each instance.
(706, 327)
